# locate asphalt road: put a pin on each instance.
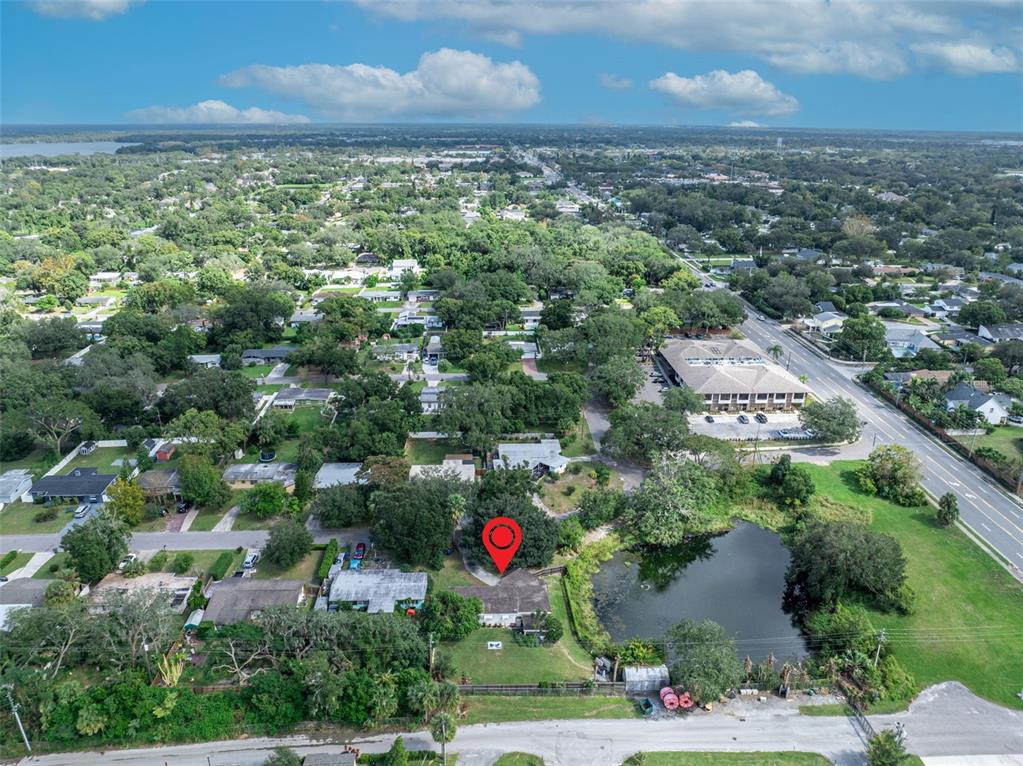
(993, 514)
(186, 541)
(946, 720)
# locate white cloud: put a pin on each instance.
(744, 92)
(446, 83)
(868, 38)
(745, 124)
(614, 82)
(968, 58)
(212, 112)
(94, 10)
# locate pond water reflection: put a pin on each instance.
(736, 579)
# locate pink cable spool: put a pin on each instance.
(669, 699)
(685, 701)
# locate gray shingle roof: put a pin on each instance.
(235, 600)
(82, 482)
(521, 592)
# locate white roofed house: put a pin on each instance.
(300, 318)
(14, 484)
(906, 340)
(205, 360)
(540, 458)
(378, 590)
(461, 467)
(337, 474)
(994, 408)
(401, 265)
(827, 323)
(429, 399)
(296, 396)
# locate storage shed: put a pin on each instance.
(644, 679)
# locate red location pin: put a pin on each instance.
(502, 537)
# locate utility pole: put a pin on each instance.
(431, 654)
(880, 640)
(14, 709)
(444, 741)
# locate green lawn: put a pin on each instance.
(493, 709)
(728, 759)
(207, 519)
(1006, 439)
(287, 452)
(17, 519)
(303, 570)
(452, 573)
(51, 567)
(968, 615)
(203, 560)
(582, 444)
(16, 563)
(246, 521)
(257, 370)
(101, 459)
(269, 389)
(308, 418)
(543, 364)
(563, 495)
(38, 461)
(430, 451)
(519, 759)
(517, 664)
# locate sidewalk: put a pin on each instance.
(227, 522)
(34, 565)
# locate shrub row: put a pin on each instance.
(329, 554)
(8, 558)
(221, 565)
(579, 588)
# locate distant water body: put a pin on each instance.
(59, 149)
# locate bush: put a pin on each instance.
(158, 561)
(8, 558)
(221, 566)
(135, 569)
(15, 445)
(329, 554)
(182, 563)
(47, 514)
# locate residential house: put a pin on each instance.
(429, 399)
(993, 407)
(92, 330)
(461, 467)
(396, 352)
(274, 355)
(887, 270)
(530, 318)
(900, 380)
(329, 759)
(425, 319)
(239, 599)
(999, 332)
(14, 484)
(1005, 279)
(159, 482)
(742, 265)
(541, 458)
(401, 265)
(876, 307)
(248, 475)
(99, 301)
(905, 340)
(826, 306)
(827, 323)
(732, 375)
(205, 360)
(527, 349)
(300, 318)
(172, 589)
(514, 597)
(381, 296)
(81, 485)
(20, 593)
(295, 396)
(103, 279)
(337, 474)
(423, 296)
(378, 590)
(434, 350)
(954, 338)
(367, 259)
(943, 307)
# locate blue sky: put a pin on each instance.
(802, 63)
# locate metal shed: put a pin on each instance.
(642, 679)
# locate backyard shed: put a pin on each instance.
(644, 679)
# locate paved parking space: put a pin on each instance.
(727, 426)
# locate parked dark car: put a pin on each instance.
(743, 419)
(709, 418)
(761, 417)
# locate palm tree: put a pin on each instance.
(776, 351)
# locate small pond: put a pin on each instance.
(736, 579)
(59, 148)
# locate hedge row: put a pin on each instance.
(221, 565)
(8, 558)
(579, 589)
(329, 554)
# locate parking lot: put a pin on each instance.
(726, 425)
